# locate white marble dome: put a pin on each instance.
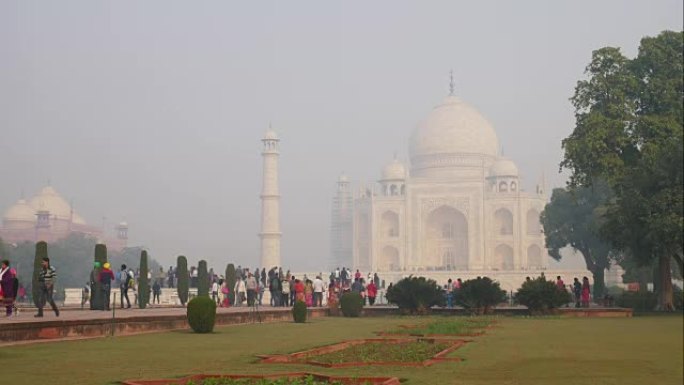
(503, 167)
(454, 127)
(20, 211)
(48, 199)
(395, 170)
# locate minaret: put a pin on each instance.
(270, 203)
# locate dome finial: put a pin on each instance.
(451, 83)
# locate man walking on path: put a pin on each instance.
(46, 282)
(318, 286)
(123, 286)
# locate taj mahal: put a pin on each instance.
(458, 209)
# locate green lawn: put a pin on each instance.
(640, 351)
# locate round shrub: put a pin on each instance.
(541, 296)
(299, 312)
(480, 294)
(416, 295)
(351, 304)
(202, 314)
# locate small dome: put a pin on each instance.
(394, 171)
(503, 167)
(123, 224)
(20, 211)
(270, 135)
(343, 179)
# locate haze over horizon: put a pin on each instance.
(152, 112)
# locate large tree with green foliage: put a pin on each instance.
(574, 218)
(629, 132)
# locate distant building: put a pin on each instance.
(48, 217)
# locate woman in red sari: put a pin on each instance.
(586, 291)
(299, 290)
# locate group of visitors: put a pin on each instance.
(451, 289)
(10, 287)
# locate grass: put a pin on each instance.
(414, 351)
(619, 351)
(446, 326)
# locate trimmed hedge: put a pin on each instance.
(97, 292)
(203, 279)
(230, 282)
(351, 304)
(143, 283)
(183, 279)
(541, 296)
(299, 312)
(202, 314)
(480, 294)
(416, 295)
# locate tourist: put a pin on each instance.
(332, 292)
(123, 279)
(285, 289)
(372, 292)
(450, 293)
(344, 275)
(156, 291)
(308, 293)
(357, 286)
(194, 276)
(263, 277)
(357, 275)
(318, 288)
(7, 287)
(240, 292)
(276, 290)
(376, 280)
(577, 291)
(85, 294)
(560, 284)
(170, 277)
(106, 278)
(251, 286)
(298, 290)
(260, 291)
(215, 293)
(225, 291)
(162, 276)
(46, 283)
(586, 292)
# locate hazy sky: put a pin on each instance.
(152, 111)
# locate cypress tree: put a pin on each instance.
(203, 279)
(96, 292)
(183, 279)
(41, 252)
(143, 283)
(230, 282)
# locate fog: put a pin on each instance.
(152, 112)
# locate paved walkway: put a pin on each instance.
(26, 315)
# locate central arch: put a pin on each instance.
(446, 239)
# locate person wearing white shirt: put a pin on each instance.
(318, 287)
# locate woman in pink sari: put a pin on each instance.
(308, 293)
(299, 290)
(586, 291)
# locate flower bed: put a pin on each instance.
(368, 352)
(268, 379)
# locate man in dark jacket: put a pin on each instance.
(46, 282)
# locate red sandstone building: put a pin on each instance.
(48, 217)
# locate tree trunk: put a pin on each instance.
(599, 283)
(664, 284)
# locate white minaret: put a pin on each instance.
(270, 203)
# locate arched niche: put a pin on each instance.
(503, 222)
(446, 239)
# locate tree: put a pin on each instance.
(203, 279)
(41, 252)
(230, 282)
(574, 218)
(143, 282)
(480, 294)
(629, 132)
(183, 279)
(97, 292)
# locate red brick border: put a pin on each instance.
(303, 356)
(294, 375)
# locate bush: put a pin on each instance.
(203, 279)
(41, 252)
(201, 314)
(299, 312)
(230, 282)
(638, 300)
(480, 294)
(183, 279)
(416, 295)
(143, 283)
(541, 296)
(351, 304)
